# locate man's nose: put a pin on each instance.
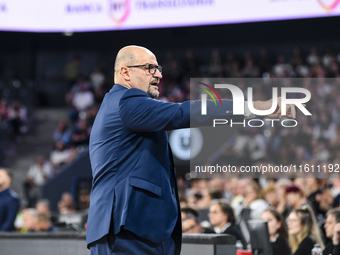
(158, 74)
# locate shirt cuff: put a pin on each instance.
(247, 113)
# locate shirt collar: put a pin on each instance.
(119, 87)
(218, 230)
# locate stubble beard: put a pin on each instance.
(152, 93)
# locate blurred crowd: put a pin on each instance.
(14, 124)
(300, 212)
(70, 215)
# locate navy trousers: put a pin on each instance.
(127, 243)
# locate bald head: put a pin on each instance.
(129, 56)
(132, 70)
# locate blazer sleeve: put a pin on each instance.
(11, 211)
(140, 112)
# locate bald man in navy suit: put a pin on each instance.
(134, 206)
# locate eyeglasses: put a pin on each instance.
(215, 212)
(152, 68)
(291, 221)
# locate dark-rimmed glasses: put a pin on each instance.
(152, 68)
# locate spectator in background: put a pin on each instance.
(296, 197)
(231, 187)
(277, 231)
(83, 98)
(282, 207)
(303, 231)
(97, 78)
(336, 186)
(221, 216)
(270, 195)
(191, 225)
(43, 207)
(172, 70)
(313, 57)
(182, 202)
(194, 193)
(239, 192)
(301, 70)
(72, 70)
(301, 184)
(314, 193)
(81, 135)
(37, 175)
(215, 64)
(187, 210)
(218, 184)
(256, 146)
(9, 202)
(325, 200)
(29, 217)
(250, 70)
(333, 69)
(297, 54)
(62, 133)
(282, 68)
(190, 64)
(207, 196)
(83, 200)
(4, 110)
(253, 199)
(264, 60)
(66, 204)
(60, 156)
(18, 118)
(332, 228)
(328, 57)
(81, 89)
(91, 115)
(98, 82)
(228, 60)
(43, 223)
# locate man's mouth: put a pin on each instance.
(154, 83)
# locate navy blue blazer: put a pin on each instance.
(9, 207)
(134, 180)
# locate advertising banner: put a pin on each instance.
(101, 15)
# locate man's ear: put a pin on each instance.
(125, 73)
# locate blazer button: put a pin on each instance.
(173, 191)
